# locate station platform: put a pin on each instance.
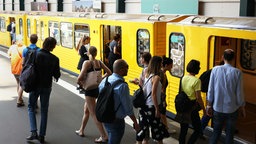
(64, 116)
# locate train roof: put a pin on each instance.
(248, 23)
(110, 16)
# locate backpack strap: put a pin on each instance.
(113, 86)
(145, 84)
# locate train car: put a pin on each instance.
(5, 19)
(139, 33)
(205, 39)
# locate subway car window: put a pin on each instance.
(42, 29)
(28, 28)
(54, 31)
(66, 31)
(176, 52)
(20, 26)
(38, 30)
(143, 43)
(248, 54)
(2, 24)
(80, 31)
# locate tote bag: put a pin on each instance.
(92, 79)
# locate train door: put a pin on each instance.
(108, 33)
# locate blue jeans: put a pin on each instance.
(44, 94)
(218, 121)
(204, 122)
(115, 131)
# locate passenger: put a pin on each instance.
(191, 85)
(144, 60)
(166, 66)
(15, 54)
(47, 67)
(33, 40)
(205, 78)
(91, 95)
(83, 52)
(114, 54)
(13, 31)
(225, 98)
(150, 115)
(121, 95)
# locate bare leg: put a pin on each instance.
(19, 91)
(84, 120)
(91, 107)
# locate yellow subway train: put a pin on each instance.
(180, 37)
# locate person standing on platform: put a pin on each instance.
(225, 98)
(47, 67)
(166, 66)
(191, 85)
(15, 54)
(83, 52)
(149, 116)
(33, 40)
(114, 53)
(122, 103)
(91, 95)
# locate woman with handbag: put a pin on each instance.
(86, 79)
(191, 85)
(149, 116)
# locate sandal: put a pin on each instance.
(78, 133)
(100, 140)
(20, 104)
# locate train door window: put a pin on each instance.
(176, 52)
(20, 27)
(42, 29)
(54, 31)
(248, 54)
(143, 44)
(28, 28)
(80, 31)
(66, 31)
(38, 29)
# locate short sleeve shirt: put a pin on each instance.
(191, 84)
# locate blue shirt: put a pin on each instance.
(25, 51)
(121, 96)
(225, 91)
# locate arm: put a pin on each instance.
(200, 101)
(106, 69)
(57, 74)
(155, 82)
(86, 65)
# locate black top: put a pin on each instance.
(84, 56)
(47, 66)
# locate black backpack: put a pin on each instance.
(205, 78)
(105, 106)
(182, 102)
(139, 100)
(28, 77)
(9, 27)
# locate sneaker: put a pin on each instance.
(41, 139)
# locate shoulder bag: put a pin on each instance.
(92, 79)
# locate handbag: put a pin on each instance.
(92, 79)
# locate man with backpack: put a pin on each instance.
(122, 103)
(32, 46)
(47, 67)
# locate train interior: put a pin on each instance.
(245, 61)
